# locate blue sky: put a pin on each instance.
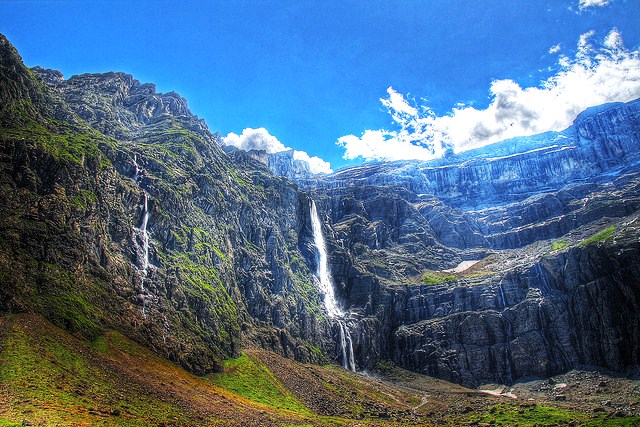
(380, 78)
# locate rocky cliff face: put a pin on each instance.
(549, 314)
(545, 295)
(120, 210)
(601, 141)
(283, 163)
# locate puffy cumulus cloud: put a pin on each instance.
(383, 145)
(261, 139)
(596, 75)
(255, 139)
(614, 40)
(584, 4)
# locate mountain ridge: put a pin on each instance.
(478, 178)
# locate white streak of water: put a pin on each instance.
(324, 275)
(504, 300)
(327, 288)
(507, 351)
(136, 175)
(145, 234)
(140, 234)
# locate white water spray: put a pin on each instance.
(346, 346)
(145, 234)
(136, 175)
(324, 276)
(330, 301)
(140, 234)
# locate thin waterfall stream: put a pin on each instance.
(141, 237)
(140, 234)
(334, 311)
(144, 234)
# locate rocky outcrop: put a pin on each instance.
(575, 308)
(118, 105)
(283, 163)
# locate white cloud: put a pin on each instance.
(583, 4)
(316, 164)
(382, 145)
(255, 139)
(554, 49)
(594, 76)
(261, 139)
(614, 40)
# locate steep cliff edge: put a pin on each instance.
(601, 142)
(539, 312)
(120, 210)
(283, 163)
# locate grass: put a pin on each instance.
(602, 236)
(54, 381)
(65, 300)
(613, 422)
(559, 245)
(247, 377)
(67, 143)
(83, 199)
(542, 415)
(203, 288)
(434, 277)
(49, 378)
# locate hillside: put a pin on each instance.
(124, 212)
(51, 378)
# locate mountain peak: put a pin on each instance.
(119, 105)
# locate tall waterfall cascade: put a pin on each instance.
(323, 273)
(140, 233)
(327, 288)
(144, 263)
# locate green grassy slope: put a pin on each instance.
(49, 378)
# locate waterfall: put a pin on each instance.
(145, 234)
(545, 286)
(140, 234)
(507, 352)
(141, 240)
(546, 340)
(541, 321)
(323, 273)
(502, 298)
(136, 175)
(330, 301)
(346, 346)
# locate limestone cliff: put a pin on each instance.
(544, 296)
